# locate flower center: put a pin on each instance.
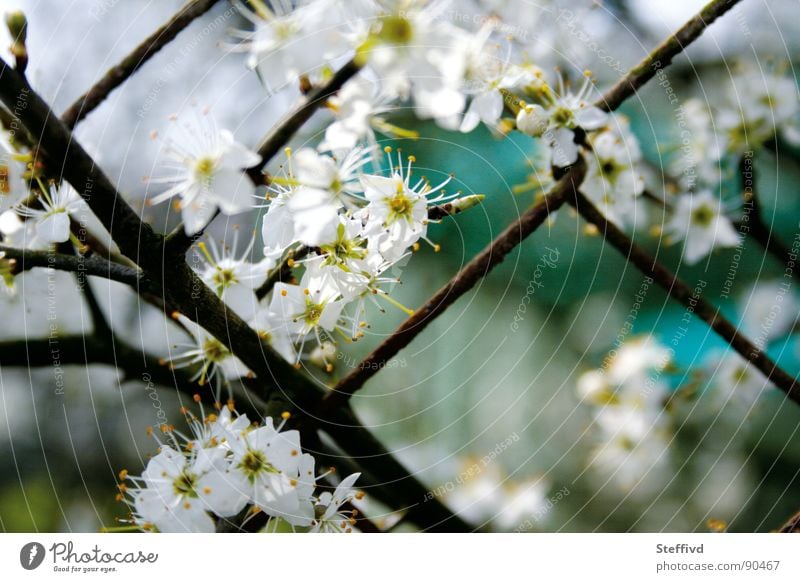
(204, 168)
(185, 484)
(741, 374)
(703, 215)
(343, 250)
(396, 30)
(610, 170)
(563, 116)
(6, 270)
(223, 278)
(400, 206)
(313, 312)
(254, 463)
(214, 350)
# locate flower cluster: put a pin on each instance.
(758, 107)
(357, 225)
(345, 229)
(226, 465)
(627, 398)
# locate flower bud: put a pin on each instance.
(466, 202)
(532, 120)
(17, 26)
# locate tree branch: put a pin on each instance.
(93, 265)
(283, 272)
(120, 72)
(791, 526)
(390, 482)
(662, 56)
(60, 150)
(279, 383)
(680, 291)
(611, 100)
(80, 350)
(285, 130)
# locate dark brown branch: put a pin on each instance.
(106, 349)
(92, 265)
(462, 282)
(282, 272)
(120, 72)
(278, 382)
(181, 289)
(662, 56)
(680, 291)
(61, 152)
(386, 478)
(79, 350)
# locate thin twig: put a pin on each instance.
(120, 72)
(282, 272)
(288, 127)
(662, 56)
(792, 525)
(93, 265)
(100, 327)
(680, 291)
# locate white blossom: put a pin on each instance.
(207, 173)
(176, 492)
(51, 222)
(613, 180)
(698, 220)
